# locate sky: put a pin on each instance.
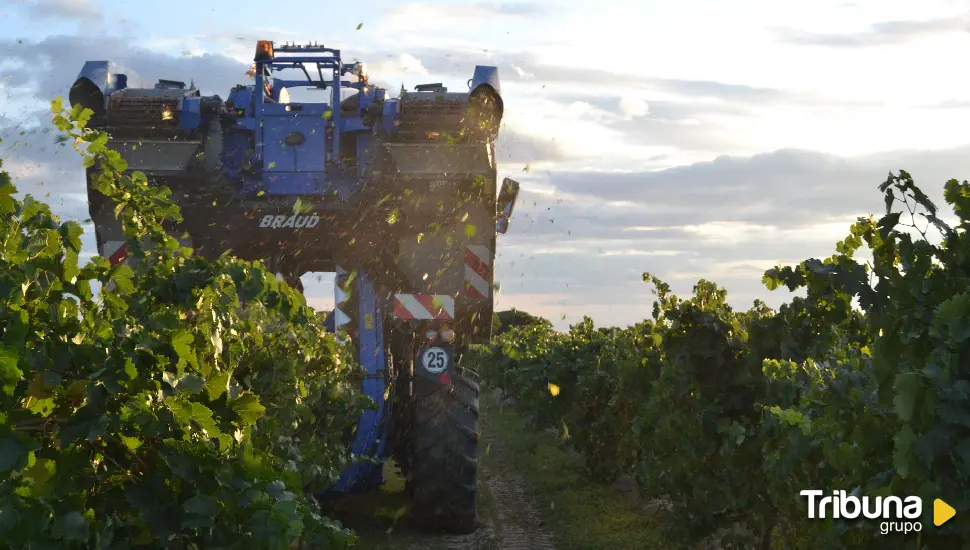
(693, 140)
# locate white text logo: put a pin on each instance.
(299, 222)
(906, 511)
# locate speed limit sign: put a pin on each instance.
(434, 360)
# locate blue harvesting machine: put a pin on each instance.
(397, 196)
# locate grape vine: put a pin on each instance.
(190, 404)
(725, 416)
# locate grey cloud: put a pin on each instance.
(31, 141)
(785, 188)
(688, 134)
(675, 111)
(880, 34)
(610, 288)
(611, 241)
(663, 110)
(449, 62)
(570, 246)
(685, 125)
(81, 10)
(216, 74)
(730, 92)
(515, 147)
(65, 56)
(50, 171)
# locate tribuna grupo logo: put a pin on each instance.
(898, 515)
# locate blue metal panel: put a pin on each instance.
(486, 75)
(242, 99)
(307, 58)
(336, 112)
(91, 89)
(280, 83)
(317, 110)
(96, 72)
(234, 147)
(352, 125)
(191, 115)
(308, 156)
(371, 428)
(294, 183)
(390, 117)
(247, 124)
(103, 76)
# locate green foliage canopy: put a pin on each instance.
(190, 404)
(728, 415)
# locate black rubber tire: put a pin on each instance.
(443, 477)
(399, 431)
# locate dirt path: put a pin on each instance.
(514, 513)
(510, 519)
(519, 523)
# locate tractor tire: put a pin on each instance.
(443, 473)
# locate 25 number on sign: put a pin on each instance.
(434, 360)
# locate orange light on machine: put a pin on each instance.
(264, 50)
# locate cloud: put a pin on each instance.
(784, 189)
(579, 238)
(46, 69)
(889, 33)
(516, 147)
(478, 10)
(632, 106)
(690, 125)
(683, 126)
(527, 68)
(73, 10)
(579, 241)
(388, 72)
(49, 66)
(63, 56)
(449, 24)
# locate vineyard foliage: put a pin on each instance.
(726, 416)
(190, 404)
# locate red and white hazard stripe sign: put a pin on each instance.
(115, 251)
(477, 266)
(438, 307)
